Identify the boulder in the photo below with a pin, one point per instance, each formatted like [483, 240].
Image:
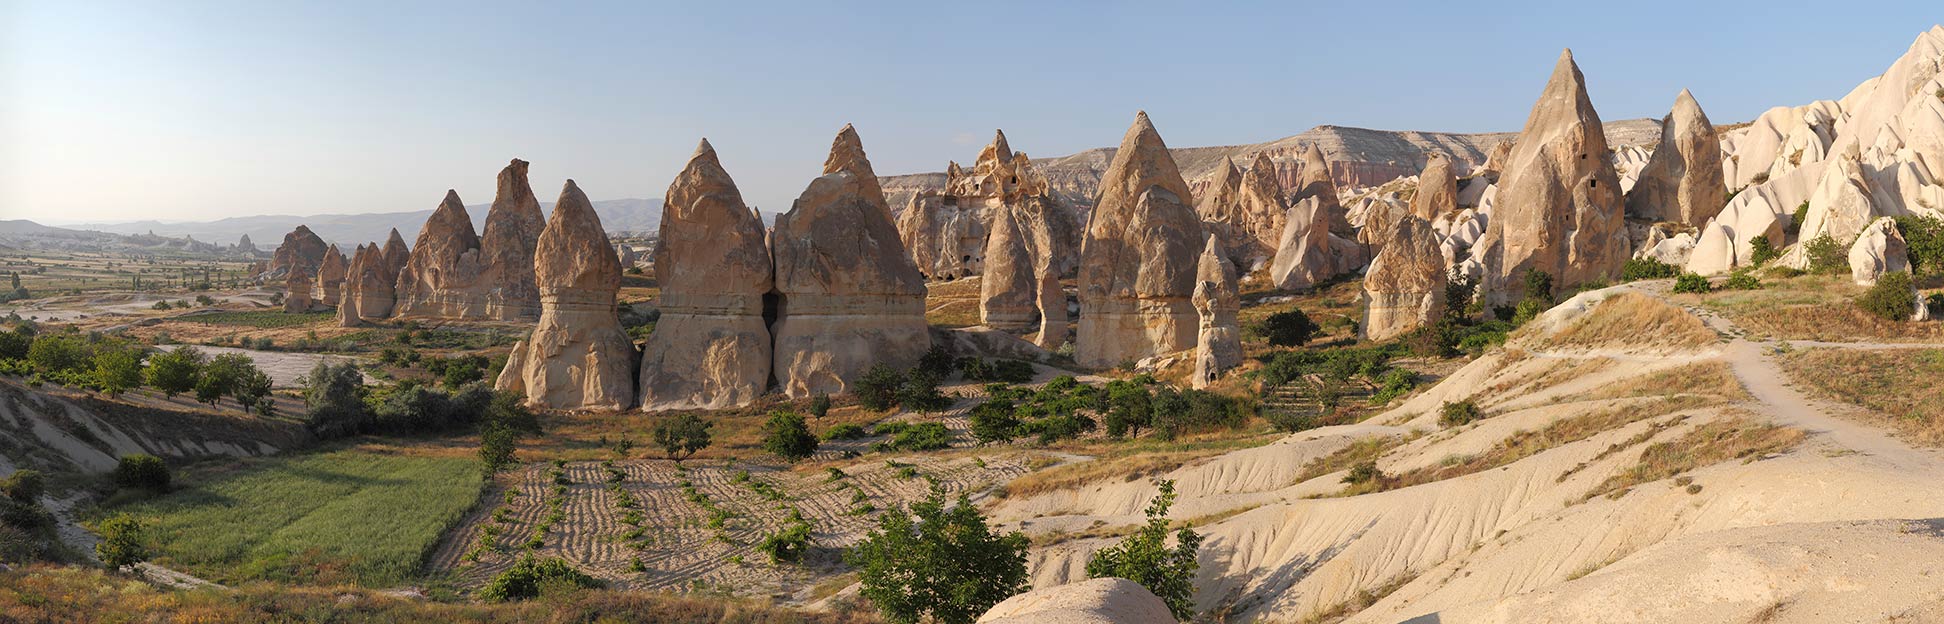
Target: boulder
[849, 297]
[711, 347]
[440, 274]
[1437, 189]
[506, 248]
[1138, 260]
[1879, 249]
[367, 292]
[300, 247]
[1558, 207]
[1682, 182]
[1093, 601]
[330, 276]
[577, 356]
[1218, 344]
[1405, 288]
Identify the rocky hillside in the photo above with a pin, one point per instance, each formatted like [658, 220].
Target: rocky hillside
[1358, 157]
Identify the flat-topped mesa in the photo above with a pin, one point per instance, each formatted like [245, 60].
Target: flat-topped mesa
[439, 277]
[1405, 288]
[1314, 181]
[1682, 182]
[849, 297]
[1437, 189]
[1558, 208]
[1218, 343]
[297, 290]
[945, 230]
[1247, 211]
[711, 348]
[577, 357]
[367, 292]
[506, 249]
[1138, 259]
[300, 247]
[330, 276]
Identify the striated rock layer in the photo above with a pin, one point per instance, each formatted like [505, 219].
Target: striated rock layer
[577, 357]
[1138, 260]
[1558, 207]
[1218, 343]
[711, 348]
[849, 297]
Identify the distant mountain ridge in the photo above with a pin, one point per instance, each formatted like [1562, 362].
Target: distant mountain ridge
[350, 230]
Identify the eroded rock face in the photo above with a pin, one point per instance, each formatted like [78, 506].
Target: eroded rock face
[330, 276]
[1840, 206]
[300, 248]
[1247, 211]
[506, 249]
[849, 297]
[1404, 289]
[577, 356]
[1437, 190]
[1093, 601]
[1303, 257]
[1218, 343]
[441, 272]
[946, 230]
[1315, 181]
[1021, 283]
[297, 290]
[1138, 260]
[396, 254]
[1879, 249]
[1682, 182]
[367, 292]
[711, 348]
[1558, 207]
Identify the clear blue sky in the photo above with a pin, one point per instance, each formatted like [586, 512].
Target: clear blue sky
[197, 110]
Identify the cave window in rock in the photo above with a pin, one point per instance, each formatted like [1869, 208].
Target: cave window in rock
[1592, 184]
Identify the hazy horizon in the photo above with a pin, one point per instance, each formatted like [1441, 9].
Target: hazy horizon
[127, 112]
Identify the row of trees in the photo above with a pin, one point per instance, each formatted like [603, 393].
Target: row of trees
[338, 403]
[113, 365]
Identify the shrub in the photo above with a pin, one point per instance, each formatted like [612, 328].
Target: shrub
[919, 392]
[1826, 256]
[1363, 472]
[1529, 308]
[122, 541]
[938, 563]
[1891, 299]
[992, 422]
[878, 388]
[820, 405]
[1539, 285]
[25, 486]
[929, 436]
[1130, 408]
[117, 369]
[530, 576]
[1923, 242]
[682, 435]
[1691, 283]
[59, 352]
[1145, 557]
[496, 446]
[1761, 251]
[1742, 280]
[1003, 371]
[1453, 414]
[1288, 328]
[846, 431]
[1795, 218]
[1647, 268]
[332, 405]
[141, 471]
[789, 544]
[785, 435]
[1459, 293]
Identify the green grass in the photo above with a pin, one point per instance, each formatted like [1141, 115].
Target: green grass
[347, 516]
[261, 319]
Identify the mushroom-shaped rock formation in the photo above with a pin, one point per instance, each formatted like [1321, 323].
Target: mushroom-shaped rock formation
[1218, 344]
[506, 249]
[1405, 287]
[1558, 208]
[439, 276]
[577, 357]
[849, 297]
[1138, 260]
[711, 348]
[1682, 182]
[1437, 189]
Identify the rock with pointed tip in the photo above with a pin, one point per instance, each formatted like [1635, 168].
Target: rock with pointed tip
[300, 247]
[1558, 207]
[1247, 213]
[711, 347]
[1303, 257]
[440, 275]
[1021, 281]
[367, 293]
[1218, 344]
[297, 290]
[577, 357]
[945, 230]
[396, 254]
[1682, 182]
[1315, 180]
[1437, 189]
[1840, 206]
[1138, 260]
[849, 297]
[506, 248]
[330, 276]
[1405, 288]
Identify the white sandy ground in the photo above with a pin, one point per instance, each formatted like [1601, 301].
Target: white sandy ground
[1806, 536]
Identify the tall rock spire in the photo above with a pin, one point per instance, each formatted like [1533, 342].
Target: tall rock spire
[1218, 343]
[513, 227]
[1138, 258]
[577, 357]
[1682, 181]
[439, 275]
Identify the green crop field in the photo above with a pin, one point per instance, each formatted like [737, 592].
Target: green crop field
[347, 516]
[261, 319]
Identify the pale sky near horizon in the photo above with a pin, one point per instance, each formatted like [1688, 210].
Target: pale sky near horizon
[121, 111]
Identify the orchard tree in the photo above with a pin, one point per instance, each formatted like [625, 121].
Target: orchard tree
[936, 562]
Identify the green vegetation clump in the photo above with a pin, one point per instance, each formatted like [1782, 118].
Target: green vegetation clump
[1923, 242]
[1891, 299]
[1691, 283]
[1146, 558]
[938, 563]
[846, 431]
[141, 472]
[1647, 268]
[788, 544]
[1761, 251]
[122, 539]
[1453, 414]
[928, 436]
[530, 576]
[680, 436]
[1826, 256]
[1002, 371]
[787, 436]
[1289, 328]
[1742, 280]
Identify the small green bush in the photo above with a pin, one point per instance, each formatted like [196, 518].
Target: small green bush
[1761, 251]
[123, 541]
[24, 486]
[527, 578]
[1647, 268]
[1891, 299]
[1363, 472]
[1289, 328]
[846, 431]
[1742, 280]
[1454, 414]
[142, 471]
[1826, 256]
[1691, 283]
[788, 437]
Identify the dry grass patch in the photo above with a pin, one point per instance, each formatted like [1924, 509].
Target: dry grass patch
[1128, 461]
[1710, 378]
[1741, 437]
[1813, 307]
[1634, 320]
[1900, 387]
[1361, 451]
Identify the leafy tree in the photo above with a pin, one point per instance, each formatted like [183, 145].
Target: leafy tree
[1891, 299]
[58, 352]
[936, 562]
[993, 422]
[14, 344]
[1761, 251]
[117, 369]
[878, 388]
[1539, 285]
[332, 403]
[1826, 255]
[121, 544]
[1145, 558]
[1288, 328]
[502, 420]
[820, 405]
[919, 392]
[496, 446]
[141, 471]
[175, 372]
[1170, 413]
[1924, 242]
[787, 436]
[1130, 408]
[221, 376]
[24, 486]
[682, 435]
[252, 391]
